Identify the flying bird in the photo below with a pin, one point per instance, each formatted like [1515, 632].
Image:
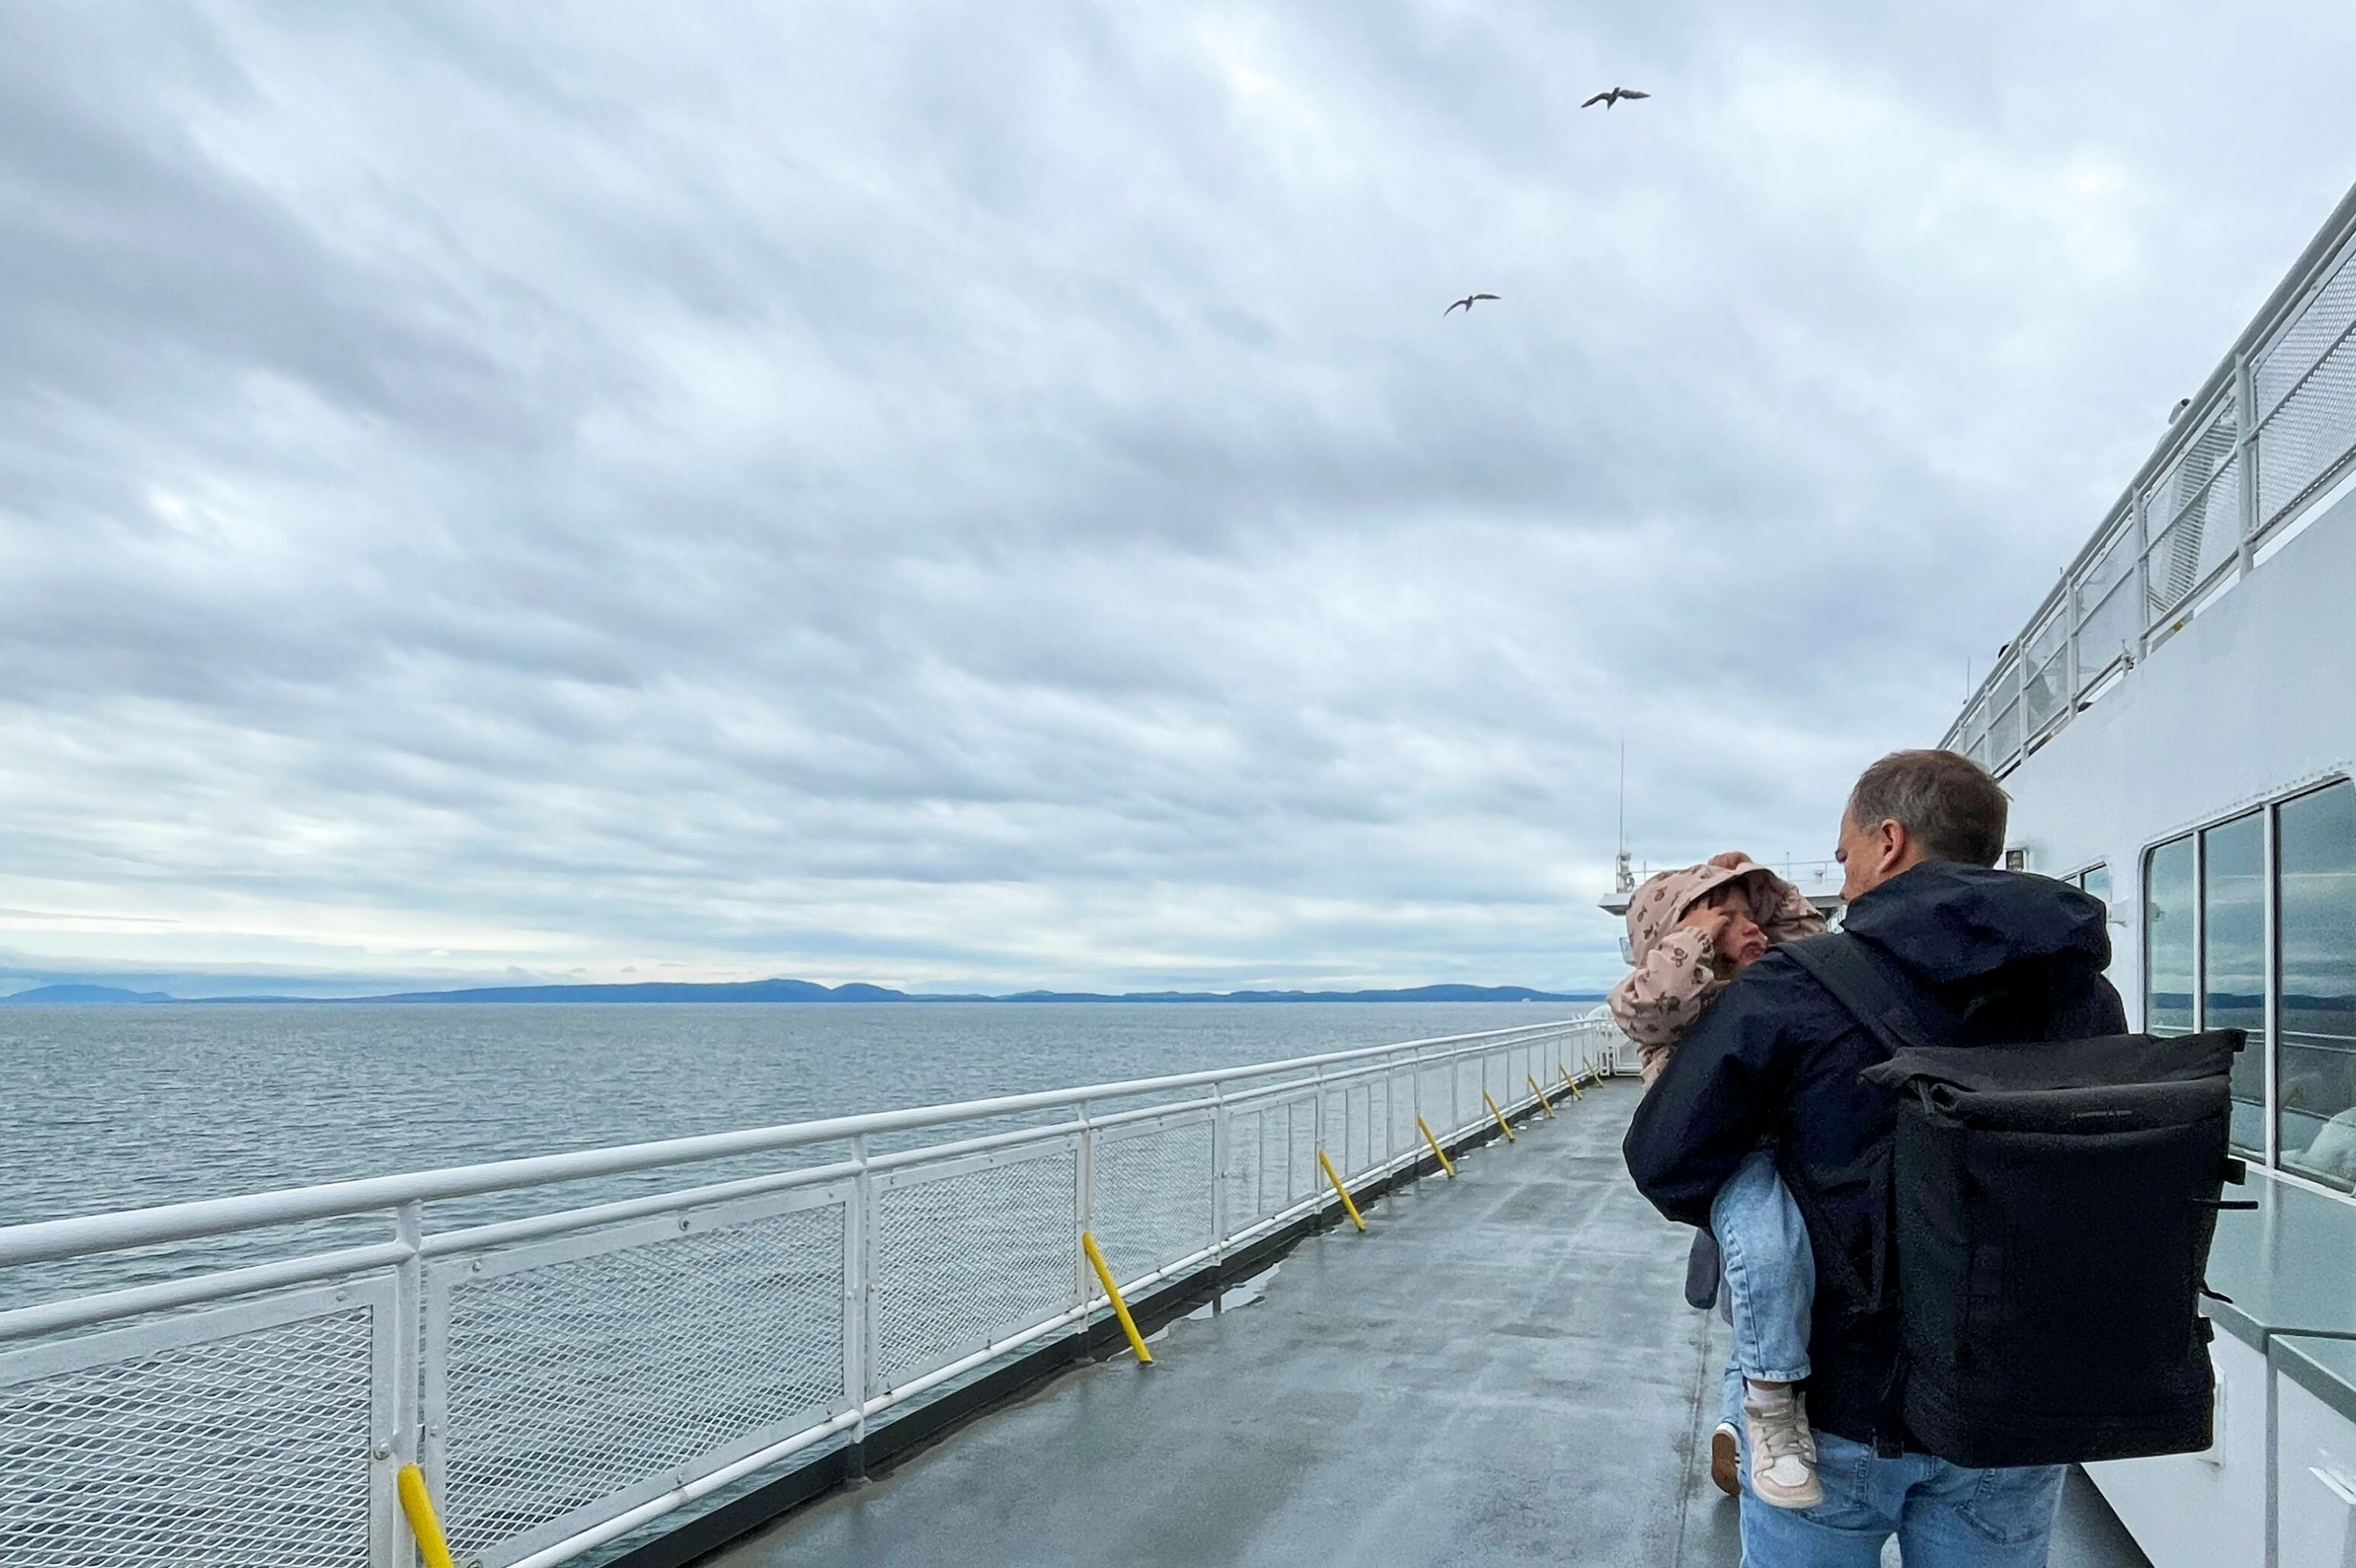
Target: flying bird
[1612, 97]
[1467, 302]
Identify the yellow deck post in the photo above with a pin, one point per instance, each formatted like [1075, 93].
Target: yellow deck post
[1503, 1126]
[1112, 1294]
[1340, 1191]
[1543, 1101]
[419, 1506]
[1566, 1078]
[1437, 1152]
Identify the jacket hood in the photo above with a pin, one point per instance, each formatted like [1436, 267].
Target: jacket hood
[1948, 922]
[1654, 909]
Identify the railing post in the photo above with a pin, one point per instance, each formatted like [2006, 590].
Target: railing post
[1317, 1123]
[393, 1543]
[2246, 431]
[859, 1308]
[1455, 1093]
[1083, 1213]
[1218, 1184]
[2142, 511]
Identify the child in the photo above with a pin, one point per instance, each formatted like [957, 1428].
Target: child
[1690, 932]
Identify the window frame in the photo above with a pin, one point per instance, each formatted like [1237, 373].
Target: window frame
[2077, 878]
[2267, 804]
[2268, 874]
[2274, 1167]
[2143, 921]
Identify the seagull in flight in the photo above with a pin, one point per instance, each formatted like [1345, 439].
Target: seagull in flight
[1467, 303]
[1612, 97]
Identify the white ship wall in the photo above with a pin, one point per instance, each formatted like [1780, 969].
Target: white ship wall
[2254, 698]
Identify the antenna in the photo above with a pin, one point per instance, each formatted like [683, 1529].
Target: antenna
[1622, 879]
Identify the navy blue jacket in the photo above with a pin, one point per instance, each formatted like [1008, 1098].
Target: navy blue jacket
[2013, 957]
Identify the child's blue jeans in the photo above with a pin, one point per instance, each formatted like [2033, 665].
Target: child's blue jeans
[1771, 1272]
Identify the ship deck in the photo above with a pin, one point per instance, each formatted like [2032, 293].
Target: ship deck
[1502, 1364]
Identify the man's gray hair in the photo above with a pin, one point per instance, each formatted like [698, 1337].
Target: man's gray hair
[1949, 804]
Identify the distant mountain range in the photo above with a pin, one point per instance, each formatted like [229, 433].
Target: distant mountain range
[657, 991]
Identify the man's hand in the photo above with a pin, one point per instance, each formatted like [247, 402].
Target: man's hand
[1731, 860]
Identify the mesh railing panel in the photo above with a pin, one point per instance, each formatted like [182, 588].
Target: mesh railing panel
[1469, 1110]
[2307, 382]
[1300, 1178]
[1437, 1083]
[587, 1378]
[2309, 339]
[248, 1450]
[1399, 1097]
[569, 1379]
[1340, 1114]
[2272, 446]
[1248, 1196]
[2193, 514]
[1153, 1201]
[966, 1260]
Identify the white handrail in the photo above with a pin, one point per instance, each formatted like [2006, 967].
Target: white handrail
[2229, 388]
[849, 1288]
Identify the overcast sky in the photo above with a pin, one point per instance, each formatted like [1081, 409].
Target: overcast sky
[954, 496]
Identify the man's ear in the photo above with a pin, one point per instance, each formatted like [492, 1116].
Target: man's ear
[1897, 844]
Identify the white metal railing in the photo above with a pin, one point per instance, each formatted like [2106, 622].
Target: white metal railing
[565, 1377]
[2270, 433]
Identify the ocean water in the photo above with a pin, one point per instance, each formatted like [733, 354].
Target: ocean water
[114, 1107]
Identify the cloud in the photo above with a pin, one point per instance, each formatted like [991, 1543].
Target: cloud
[881, 497]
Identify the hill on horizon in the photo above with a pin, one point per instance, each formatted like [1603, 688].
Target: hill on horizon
[83, 996]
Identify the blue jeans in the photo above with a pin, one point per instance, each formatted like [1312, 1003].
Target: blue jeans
[1944, 1515]
[1771, 1274]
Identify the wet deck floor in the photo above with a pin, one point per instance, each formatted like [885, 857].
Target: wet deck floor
[1500, 1369]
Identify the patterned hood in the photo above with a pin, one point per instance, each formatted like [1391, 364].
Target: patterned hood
[1654, 909]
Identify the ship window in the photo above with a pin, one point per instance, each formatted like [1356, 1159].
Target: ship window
[2316, 970]
[2168, 913]
[2233, 960]
[2095, 880]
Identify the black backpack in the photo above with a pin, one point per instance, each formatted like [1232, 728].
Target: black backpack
[2048, 1212]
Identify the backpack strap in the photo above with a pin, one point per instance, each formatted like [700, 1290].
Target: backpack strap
[1858, 984]
[1839, 965]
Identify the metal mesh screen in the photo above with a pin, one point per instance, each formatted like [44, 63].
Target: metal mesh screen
[970, 1258]
[589, 1379]
[1373, 1145]
[2106, 608]
[1245, 1201]
[2192, 514]
[1301, 1176]
[1436, 1087]
[242, 1451]
[1467, 1107]
[2307, 384]
[1153, 1199]
[1337, 1128]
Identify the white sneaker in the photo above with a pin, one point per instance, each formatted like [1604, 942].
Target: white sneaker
[1726, 1459]
[1783, 1449]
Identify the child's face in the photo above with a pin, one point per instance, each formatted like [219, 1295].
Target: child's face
[1739, 941]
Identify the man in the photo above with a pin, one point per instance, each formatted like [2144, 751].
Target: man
[2005, 957]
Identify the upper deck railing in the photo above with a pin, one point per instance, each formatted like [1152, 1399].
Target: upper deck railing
[565, 1377]
[2268, 435]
